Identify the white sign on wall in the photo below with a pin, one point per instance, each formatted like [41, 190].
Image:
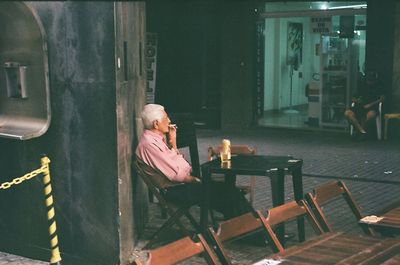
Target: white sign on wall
[321, 25]
[151, 64]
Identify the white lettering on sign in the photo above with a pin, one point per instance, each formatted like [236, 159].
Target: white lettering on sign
[151, 66]
[321, 25]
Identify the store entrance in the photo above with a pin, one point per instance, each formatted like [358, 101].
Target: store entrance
[312, 61]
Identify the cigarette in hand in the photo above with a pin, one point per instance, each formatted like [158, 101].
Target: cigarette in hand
[173, 126]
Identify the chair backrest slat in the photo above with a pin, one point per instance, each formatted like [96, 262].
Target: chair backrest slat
[181, 250]
[331, 190]
[238, 226]
[327, 192]
[152, 176]
[144, 176]
[233, 228]
[287, 212]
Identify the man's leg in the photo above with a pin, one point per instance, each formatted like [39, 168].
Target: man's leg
[352, 118]
[371, 115]
[185, 194]
[369, 123]
[228, 200]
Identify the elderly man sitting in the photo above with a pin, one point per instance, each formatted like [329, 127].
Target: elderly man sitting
[154, 150]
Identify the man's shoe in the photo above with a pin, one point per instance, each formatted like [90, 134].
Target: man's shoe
[363, 137]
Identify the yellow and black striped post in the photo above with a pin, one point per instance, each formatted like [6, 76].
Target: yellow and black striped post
[55, 252]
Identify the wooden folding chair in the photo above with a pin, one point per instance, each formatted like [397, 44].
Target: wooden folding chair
[213, 152]
[180, 250]
[328, 192]
[284, 213]
[157, 182]
[235, 228]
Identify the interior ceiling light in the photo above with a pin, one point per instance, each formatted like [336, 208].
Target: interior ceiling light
[349, 6]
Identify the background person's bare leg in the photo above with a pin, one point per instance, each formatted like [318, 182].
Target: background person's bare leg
[351, 117]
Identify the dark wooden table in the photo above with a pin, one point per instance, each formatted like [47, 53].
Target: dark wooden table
[339, 248]
[273, 167]
[388, 224]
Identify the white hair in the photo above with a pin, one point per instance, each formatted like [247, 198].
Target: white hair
[151, 113]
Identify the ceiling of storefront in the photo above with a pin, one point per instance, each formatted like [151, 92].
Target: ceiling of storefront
[302, 6]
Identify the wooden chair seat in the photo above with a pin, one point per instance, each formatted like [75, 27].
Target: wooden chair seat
[387, 223]
[340, 248]
[387, 117]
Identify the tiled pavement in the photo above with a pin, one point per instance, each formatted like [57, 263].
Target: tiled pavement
[8, 259]
[371, 169]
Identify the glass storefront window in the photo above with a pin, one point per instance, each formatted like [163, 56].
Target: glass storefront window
[313, 55]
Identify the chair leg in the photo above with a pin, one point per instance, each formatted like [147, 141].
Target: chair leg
[192, 221]
[151, 199]
[151, 196]
[379, 127]
[212, 217]
[386, 127]
[252, 189]
[163, 213]
[173, 219]
[176, 217]
[168, 223]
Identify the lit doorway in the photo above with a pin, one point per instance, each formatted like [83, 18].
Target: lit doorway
[311, 62]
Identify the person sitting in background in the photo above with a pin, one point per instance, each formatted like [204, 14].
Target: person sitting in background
[161, 152]
[365, 105]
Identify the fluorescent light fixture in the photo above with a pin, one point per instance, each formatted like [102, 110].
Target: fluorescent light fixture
[349, 6]
[324, 6]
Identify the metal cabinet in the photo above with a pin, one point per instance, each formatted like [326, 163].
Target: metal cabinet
[335, 80]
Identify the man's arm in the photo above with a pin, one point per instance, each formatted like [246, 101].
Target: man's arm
[189, 179]
[172, 137]
[169, 162]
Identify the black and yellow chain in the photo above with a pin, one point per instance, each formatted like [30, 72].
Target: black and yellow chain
[19, 180]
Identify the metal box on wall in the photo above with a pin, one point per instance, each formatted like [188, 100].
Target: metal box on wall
[24, 85]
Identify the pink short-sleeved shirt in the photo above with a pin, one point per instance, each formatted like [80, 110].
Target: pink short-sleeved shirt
[153, 150]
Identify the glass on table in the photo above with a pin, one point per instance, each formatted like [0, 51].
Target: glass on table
[225, 151]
